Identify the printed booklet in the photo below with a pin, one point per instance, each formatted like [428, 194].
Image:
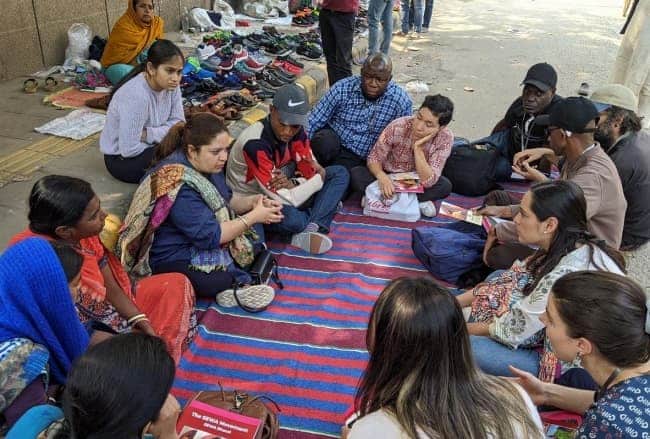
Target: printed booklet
[407, 182]
[203, 421]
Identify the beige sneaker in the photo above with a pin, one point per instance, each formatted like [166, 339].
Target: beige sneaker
[312, 242]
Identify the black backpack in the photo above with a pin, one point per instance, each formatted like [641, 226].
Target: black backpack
[472, 168]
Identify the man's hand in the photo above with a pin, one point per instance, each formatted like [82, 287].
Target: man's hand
[498, 211]
[280, 181]
[531, 155]
[527, 171]
[489, 243]
[386, 186]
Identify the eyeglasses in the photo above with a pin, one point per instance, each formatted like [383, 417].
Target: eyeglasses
[549, 130]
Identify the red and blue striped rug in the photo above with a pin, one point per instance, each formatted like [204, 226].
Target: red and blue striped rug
[307, 350]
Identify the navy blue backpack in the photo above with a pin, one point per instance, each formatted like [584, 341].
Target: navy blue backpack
[450, 250]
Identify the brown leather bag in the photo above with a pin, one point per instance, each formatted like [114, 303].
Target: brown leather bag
[244, 404]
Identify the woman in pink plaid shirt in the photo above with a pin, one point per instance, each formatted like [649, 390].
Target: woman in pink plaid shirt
[420, 143]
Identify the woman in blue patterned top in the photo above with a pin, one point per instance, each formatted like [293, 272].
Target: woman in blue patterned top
[603, 320]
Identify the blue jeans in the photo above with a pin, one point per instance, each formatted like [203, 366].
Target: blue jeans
[418, 12]
[494, 358]
[428, 12]
[380, 11]
[322, 209]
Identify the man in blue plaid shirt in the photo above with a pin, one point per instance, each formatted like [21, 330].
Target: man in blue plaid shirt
[349, 118]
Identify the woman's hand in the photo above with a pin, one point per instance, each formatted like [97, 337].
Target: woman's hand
[165, 425]
[145, 326]
[266, 211]
[531, 384]
[386, 186]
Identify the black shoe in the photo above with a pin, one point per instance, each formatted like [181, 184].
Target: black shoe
[310, 51]
[281, 74]
[269, 78]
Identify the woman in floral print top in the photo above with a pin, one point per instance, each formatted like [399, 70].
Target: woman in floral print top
[603, 319]
[553, 218]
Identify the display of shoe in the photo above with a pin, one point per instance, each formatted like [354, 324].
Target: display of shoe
[243, 73]
[291, 60]
[205, 51]
[252, 64]
[264, 94]
[281, 74]
[259, 57]
[255, 297]
[273, 80]
[310, 51]
[287, 67]
[239, 52]
[212, 63]
[312, 242]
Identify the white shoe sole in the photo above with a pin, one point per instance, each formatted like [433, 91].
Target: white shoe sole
[253, 296]
[312, 242]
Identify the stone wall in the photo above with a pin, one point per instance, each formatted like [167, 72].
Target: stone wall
[33, 33]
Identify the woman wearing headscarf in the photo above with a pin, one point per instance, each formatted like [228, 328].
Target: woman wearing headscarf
[132, 35]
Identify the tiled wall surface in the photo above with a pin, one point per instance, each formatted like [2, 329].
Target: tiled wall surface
[33, 33]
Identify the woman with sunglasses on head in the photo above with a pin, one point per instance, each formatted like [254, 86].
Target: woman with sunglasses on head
[603, 320]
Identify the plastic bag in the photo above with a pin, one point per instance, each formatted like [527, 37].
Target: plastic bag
[227, 14]
[402, 207]
[79, 38]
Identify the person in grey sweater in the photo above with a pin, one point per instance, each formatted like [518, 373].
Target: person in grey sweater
[142, 109]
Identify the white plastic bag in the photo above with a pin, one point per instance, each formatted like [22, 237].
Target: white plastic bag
[79, 38]
[228, 20]
[402, 207]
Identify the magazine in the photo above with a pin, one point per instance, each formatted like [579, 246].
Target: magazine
[203, 421]
[460, 213]
[407, 182]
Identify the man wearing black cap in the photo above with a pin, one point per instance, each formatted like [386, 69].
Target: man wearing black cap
[570, 126]
[518, 130]
[274, 158]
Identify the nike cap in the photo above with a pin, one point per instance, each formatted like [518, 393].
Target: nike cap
[292, 104]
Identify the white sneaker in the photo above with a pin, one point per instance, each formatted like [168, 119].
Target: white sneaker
[252, 296]
[205, 51]
[427, 208]
[312, 242]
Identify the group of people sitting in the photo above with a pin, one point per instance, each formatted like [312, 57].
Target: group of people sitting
[100, 331]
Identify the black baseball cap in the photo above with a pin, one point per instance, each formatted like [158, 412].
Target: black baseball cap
[292, 104]
[542, 76]
[571, 114]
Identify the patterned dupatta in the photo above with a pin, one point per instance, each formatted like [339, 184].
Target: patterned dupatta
[151, 205]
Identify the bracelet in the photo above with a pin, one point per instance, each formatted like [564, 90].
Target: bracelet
[141, 319]
[132, 319]
[243, 220]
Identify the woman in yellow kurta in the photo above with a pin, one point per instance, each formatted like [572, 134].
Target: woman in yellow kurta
[133, 33]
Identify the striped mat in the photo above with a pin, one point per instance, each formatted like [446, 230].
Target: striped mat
[307, 350]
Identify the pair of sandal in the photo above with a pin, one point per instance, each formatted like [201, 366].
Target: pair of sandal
[31, 85]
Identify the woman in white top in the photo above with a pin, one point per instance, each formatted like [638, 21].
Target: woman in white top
[553, 217]
[421, 380]
[143, 107]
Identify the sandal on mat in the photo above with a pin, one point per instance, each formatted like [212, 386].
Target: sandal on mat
[252, 298]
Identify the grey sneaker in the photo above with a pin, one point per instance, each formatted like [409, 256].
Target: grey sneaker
[252, 296]
[312, 242]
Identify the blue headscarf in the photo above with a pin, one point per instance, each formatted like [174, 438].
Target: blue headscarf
[35, 303]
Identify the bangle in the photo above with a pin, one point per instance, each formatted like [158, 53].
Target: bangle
[243, 220]
[139, 320]
[132, 319]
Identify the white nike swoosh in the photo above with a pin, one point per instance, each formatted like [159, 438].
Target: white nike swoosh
[294, 104]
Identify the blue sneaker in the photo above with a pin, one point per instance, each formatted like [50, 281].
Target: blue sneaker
[204, 74]
[188, 68]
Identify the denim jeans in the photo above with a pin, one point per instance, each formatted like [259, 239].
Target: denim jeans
[494, 358]
[418, 12]
[380, 12]
[428, 12]
[322, 209]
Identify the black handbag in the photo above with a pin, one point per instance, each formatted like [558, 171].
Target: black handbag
[472, 169]
[265, 268]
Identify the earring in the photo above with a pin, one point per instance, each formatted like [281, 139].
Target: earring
[577, 361]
